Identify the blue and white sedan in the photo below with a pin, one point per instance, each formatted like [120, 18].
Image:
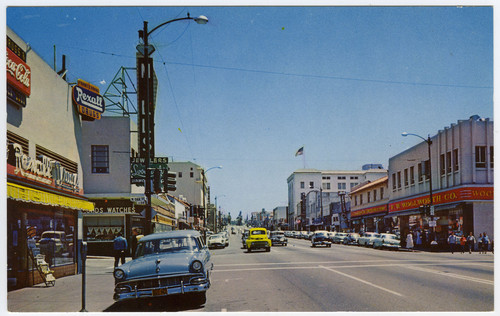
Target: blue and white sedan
[175, 262]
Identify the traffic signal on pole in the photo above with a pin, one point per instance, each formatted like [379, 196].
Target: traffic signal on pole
[156, 181]
[169, 181]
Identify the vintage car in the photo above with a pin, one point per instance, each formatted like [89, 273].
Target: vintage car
[257, 239]
[244, 238]
[216, 241]
[320, 238]
[331, 235]
[278, 238]
[53, 242]
[386, 241]
[339, 238]
[351, 239]
[169, 263]
[367, 238]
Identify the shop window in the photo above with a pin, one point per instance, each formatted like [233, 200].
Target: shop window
[442, 169]
[455, 159]
[448, 162]
[412, 175]
[100, 159]
[52, 234]
[480, 156]
[102, 228]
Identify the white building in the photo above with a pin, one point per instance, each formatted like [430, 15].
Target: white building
[462, 181]
[310, 183]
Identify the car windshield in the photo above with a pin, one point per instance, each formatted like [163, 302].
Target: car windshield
[166, 245]
[392, 237]
[258, 232]
[321, 234]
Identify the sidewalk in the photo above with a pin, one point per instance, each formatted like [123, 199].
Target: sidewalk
[66, 295]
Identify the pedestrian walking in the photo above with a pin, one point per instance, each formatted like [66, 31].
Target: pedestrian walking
[119, 248]
[418, 240]
[463, 241]
[409, 241]
[471, 240]
[452, 240]
[486, 242]
[480, 243]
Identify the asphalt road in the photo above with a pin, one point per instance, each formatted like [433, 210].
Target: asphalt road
[347, 278]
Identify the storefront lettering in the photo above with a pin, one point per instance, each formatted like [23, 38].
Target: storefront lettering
[45, 170]
[117, 209]
[84, 98]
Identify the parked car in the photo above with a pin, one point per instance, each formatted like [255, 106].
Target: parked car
[257, 239]
[303, 235]
[278, 238]
[367, 238]
[351, 239]
[53, 241]
[386, 241]
[216, 241]
[175, 262]
[331, 235]
[320, 238]
[309, 235]
[339, 238]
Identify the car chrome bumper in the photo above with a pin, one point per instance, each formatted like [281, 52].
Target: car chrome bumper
[144, 293]
[322, 243]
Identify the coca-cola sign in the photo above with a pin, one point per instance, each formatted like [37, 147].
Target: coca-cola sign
[18, 73]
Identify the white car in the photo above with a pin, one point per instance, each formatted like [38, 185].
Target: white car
[386, 241]
[367, 238]
[216, 241]
[339, 238]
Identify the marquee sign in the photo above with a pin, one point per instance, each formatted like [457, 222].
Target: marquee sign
[18, 74]
[88, 100]
[455, 195]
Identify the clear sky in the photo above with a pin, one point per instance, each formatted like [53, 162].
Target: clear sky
[256, 83]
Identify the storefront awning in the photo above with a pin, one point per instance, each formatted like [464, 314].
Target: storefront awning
[21, 193]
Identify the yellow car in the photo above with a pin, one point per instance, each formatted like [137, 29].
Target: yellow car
[257, 239]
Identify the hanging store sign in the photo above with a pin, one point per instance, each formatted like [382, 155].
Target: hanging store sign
[455, 195]
[88, 100]
[114, 207]
[138, 167]
[18, 74]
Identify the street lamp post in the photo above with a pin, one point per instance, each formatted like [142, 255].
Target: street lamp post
[146, 74]
[203, 172]
[429, 143]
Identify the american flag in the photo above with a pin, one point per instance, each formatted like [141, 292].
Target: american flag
[300, 151]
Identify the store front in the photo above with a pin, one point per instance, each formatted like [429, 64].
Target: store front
[369, 219]
[41, 223]
[454, 211]
[109, 218]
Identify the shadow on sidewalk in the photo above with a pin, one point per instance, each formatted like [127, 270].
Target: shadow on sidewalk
[161, 304]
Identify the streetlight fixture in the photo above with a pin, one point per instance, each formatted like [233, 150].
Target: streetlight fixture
[146, 73]
[429, 143]
[203, 172]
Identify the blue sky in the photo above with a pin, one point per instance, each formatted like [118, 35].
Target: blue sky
[255, 84]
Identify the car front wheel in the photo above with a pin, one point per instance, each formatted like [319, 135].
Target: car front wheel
[197, 299]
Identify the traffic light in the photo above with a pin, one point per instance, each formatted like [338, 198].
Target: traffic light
[169, 181]
[156, 181]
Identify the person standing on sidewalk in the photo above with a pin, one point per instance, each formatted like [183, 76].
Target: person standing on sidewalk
[119, 248]
[452, 240]
[486, 242]
[471, 240]
[463, 241]
[409, 241]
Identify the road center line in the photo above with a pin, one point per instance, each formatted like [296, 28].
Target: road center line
[362, 281]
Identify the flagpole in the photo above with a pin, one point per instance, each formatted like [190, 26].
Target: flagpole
[304, 158]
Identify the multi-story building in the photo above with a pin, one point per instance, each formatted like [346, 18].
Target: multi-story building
[44, 169]
[280, 217]
[369, 203]
[320, 188]
[461, 172]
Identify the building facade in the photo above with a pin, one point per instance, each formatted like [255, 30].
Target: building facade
[369, 204]
[311, 191]
[45, 195]
[461, 167]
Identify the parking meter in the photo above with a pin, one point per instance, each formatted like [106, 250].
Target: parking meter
[83, 253]
[83, 250]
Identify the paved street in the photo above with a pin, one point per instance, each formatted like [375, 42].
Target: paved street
[298, 278]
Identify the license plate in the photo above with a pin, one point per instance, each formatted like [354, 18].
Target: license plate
[158, 292]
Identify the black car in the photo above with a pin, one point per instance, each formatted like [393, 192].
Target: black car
[278, 238]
